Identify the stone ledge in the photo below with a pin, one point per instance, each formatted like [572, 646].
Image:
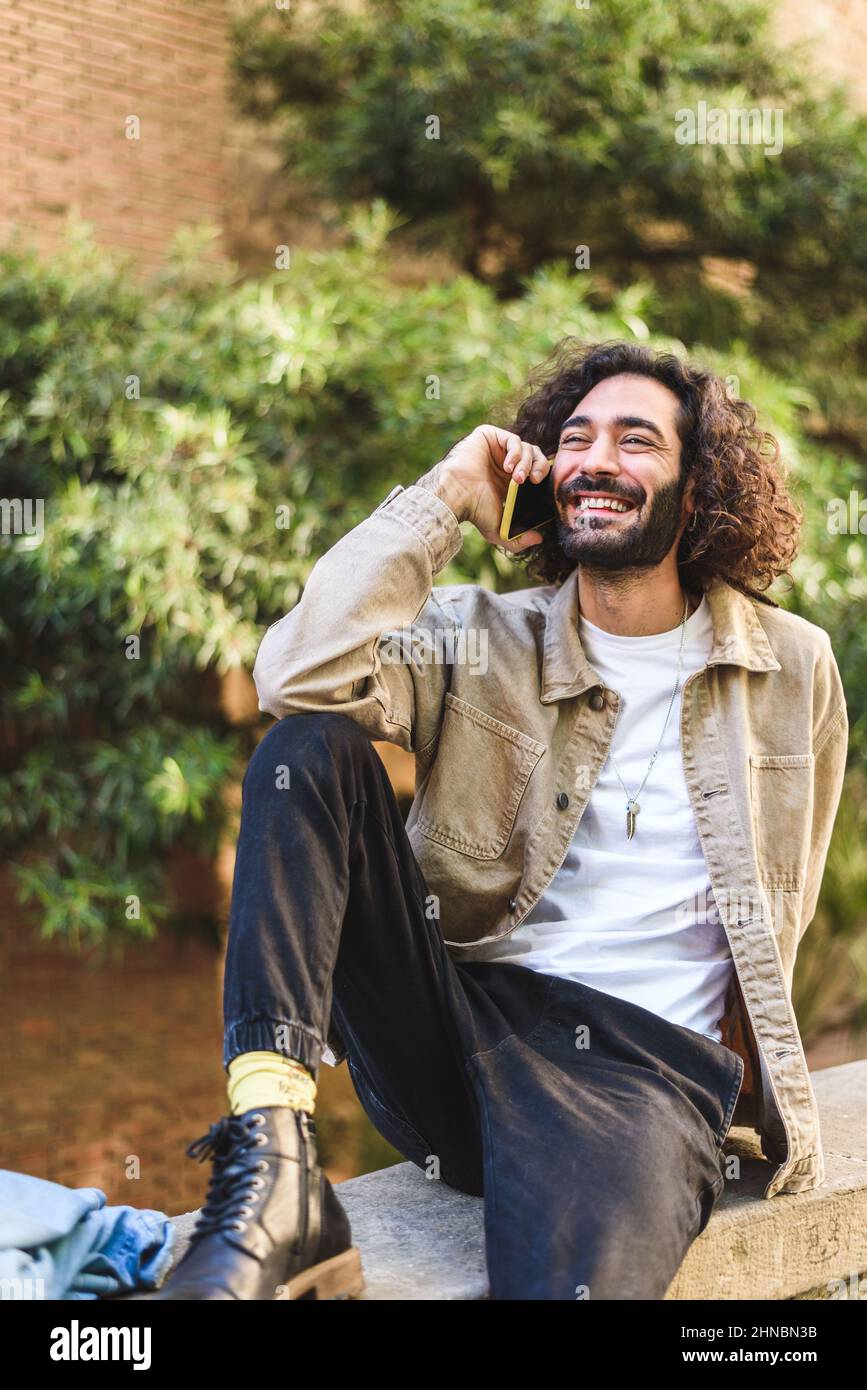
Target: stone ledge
[423, 1241]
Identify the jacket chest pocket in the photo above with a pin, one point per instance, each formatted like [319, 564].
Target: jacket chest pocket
[781, 794]
[478, 778]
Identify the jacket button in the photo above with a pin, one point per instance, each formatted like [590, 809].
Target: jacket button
[562, 801]
[513, 903]
[597, 700]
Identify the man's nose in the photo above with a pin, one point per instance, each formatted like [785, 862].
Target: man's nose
[601, 457]
[599, 460]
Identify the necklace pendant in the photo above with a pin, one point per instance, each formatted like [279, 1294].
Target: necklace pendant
[632, 809]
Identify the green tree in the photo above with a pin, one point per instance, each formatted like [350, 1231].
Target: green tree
[513, 134]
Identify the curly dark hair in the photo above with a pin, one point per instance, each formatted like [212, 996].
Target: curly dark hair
[745, 526]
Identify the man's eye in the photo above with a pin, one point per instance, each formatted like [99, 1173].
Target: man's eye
[636, 439]
[574, 439]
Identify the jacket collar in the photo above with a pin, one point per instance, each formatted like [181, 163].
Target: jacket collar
[738, 639]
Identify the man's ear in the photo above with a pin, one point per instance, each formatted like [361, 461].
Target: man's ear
[689, 498]
[687, 508]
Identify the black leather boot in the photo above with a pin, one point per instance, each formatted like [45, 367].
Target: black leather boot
[271, 1226]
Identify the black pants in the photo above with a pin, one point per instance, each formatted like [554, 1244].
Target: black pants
[592, 1127]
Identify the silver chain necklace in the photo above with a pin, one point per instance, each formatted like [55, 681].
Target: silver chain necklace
[632, 806]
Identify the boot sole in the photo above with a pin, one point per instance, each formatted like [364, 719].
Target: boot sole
[339, 1277]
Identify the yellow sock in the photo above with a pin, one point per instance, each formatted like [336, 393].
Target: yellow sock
[259, 1079]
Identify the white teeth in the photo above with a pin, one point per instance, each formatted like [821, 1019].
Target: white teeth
[602, 504]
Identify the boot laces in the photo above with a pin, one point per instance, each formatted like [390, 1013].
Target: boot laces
[231, 1144]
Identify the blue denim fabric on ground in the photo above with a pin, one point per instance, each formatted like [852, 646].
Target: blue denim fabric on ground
[64, 1243]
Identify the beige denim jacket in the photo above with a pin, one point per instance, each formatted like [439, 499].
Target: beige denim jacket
[510, 726]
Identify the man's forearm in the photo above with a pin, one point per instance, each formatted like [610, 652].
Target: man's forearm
[377, 578]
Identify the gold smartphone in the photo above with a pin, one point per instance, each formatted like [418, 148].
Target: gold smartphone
[528, 506]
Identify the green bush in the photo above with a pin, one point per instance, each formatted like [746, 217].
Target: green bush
[198, 442]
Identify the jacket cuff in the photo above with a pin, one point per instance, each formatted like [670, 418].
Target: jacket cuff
[432, 520]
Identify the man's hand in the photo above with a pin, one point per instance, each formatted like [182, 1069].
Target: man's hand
[473, 479]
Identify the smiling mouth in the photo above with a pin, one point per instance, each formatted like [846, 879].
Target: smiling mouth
[601, 506]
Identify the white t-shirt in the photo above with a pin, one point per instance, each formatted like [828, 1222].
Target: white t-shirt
[635, 918]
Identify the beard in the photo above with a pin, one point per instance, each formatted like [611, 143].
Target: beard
[640, 543]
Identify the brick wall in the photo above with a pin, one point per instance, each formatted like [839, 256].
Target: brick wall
[70, 77]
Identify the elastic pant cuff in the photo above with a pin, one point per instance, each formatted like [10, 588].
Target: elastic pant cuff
[273, 1035]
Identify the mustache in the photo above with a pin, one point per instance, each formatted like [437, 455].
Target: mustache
[569, 490]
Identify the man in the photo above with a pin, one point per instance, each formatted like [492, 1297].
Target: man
[555, 982]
